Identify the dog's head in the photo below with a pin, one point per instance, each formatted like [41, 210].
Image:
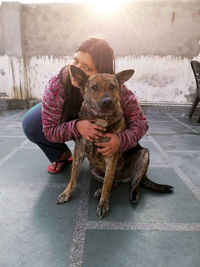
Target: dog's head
[101, 91]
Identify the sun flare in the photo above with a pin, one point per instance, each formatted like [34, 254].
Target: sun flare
[105, 6]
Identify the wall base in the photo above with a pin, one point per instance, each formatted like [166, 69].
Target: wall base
[9, 104]
[148, 108]
[181, 110]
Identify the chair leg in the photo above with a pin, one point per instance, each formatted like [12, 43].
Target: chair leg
[198, 120]
[194, 106]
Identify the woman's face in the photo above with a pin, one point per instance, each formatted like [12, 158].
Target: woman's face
[84, 62]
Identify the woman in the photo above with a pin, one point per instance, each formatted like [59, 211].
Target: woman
[54, 121]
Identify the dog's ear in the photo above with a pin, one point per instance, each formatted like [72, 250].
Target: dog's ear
[124, 76]
[79, 76]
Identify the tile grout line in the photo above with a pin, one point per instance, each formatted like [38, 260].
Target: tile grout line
[183, 151]
[14, 136]
[10, 117]
[34, 185]
[159, 166]
[194, 189]
[159, 121]
[182, 123]
[31, 147]
[171, 132]
[151, 226]
[13, 152]
[77, 248]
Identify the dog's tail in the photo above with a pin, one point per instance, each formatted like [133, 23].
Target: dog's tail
[146, 182]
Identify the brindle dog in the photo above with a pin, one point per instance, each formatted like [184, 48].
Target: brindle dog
[101, 103]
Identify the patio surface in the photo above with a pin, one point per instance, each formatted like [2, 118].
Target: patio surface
[161, 230]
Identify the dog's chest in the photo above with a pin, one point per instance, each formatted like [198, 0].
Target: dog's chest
[90, 151]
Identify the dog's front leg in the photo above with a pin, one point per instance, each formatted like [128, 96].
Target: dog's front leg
[78, 157]
[103, 207]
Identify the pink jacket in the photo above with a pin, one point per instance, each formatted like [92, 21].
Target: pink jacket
[58, 132]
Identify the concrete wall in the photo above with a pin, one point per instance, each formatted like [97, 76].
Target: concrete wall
[156, 38]
[139, 28]
[1, 32]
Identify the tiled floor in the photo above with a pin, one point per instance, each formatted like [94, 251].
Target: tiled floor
[161, 230]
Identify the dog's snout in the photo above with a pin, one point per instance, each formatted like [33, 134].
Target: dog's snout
[106, 101]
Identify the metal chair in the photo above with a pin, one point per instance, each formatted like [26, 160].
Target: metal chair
[196, 69]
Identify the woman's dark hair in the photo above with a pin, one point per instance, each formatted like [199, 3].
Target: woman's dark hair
[103, 57]
[101, 53]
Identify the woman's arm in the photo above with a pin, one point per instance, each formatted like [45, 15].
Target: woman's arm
[136, 123]
[52, 102]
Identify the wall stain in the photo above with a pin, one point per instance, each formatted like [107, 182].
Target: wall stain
[191, 97]
[3, 94]
[173, 17]
[197, 13]
[13, 76]
[2, 72]
[156, 80]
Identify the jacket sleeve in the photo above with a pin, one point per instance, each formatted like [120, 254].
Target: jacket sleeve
[52, 101]
[136, 123]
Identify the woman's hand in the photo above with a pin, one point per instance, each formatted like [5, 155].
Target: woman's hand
[109, 148]
[89, 130]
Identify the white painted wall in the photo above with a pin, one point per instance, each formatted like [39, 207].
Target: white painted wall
[160, 79]
[12, 78]
[157, 80]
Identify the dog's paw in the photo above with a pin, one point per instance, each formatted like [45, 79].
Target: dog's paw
[103, 209]
[168, 188]
[134, 196]
[62, 198]
[97, 194]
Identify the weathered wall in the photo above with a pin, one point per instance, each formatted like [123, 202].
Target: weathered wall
[157, 80]
[140, 28]
[1, 32]
[156, 38]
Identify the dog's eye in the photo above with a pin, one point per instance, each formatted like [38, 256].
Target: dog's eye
[112, 86]
[94, 87]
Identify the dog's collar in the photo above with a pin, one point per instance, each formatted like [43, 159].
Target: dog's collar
[88, 112]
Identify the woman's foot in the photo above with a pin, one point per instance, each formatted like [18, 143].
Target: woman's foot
[61, 163]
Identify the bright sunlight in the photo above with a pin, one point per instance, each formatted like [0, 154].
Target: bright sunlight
[106, 6]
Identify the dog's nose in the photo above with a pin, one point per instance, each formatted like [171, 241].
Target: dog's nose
[106, 101]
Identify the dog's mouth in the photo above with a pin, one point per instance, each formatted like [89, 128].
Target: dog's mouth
[107, 110]
[100, 109]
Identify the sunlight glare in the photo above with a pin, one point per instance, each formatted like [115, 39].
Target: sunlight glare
[105, 6]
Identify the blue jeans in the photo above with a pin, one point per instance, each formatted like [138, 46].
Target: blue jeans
[32, 126]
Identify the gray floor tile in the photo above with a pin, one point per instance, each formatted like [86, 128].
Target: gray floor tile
[29, 144]
[178, 207]
[9, 113]
[11, 129]
[158, 117]
[189, 122]
[11, 116]
[141, 249]
[190, 163]
[166, 127]
[190, 141]
[34, 230]
[155, 157]
[30, 166]
[7, 145]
